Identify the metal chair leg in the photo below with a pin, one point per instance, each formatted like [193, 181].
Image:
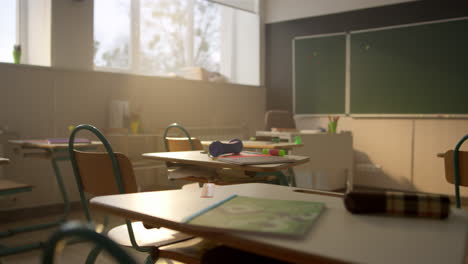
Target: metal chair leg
[93, 255]
[149, 260]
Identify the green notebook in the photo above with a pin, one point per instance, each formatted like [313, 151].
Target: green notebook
[259, 215]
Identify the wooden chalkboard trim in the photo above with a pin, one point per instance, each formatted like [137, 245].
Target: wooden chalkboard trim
[409, 25]
[319, 36]
[412, 116]
[320, 115]
[348, 74]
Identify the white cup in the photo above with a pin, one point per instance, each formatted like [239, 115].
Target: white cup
[207, 190]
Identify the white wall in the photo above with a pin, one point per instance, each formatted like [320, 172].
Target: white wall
[281, 10]
[39, 102]
[404, 149]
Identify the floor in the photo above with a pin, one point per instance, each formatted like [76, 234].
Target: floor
[71, 254]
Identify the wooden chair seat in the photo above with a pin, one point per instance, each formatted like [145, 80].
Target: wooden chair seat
[463, 165]
[456, 166]
[183, 144]
[146, 237]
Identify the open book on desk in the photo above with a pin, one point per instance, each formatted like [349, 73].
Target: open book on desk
[259, 215]
[252, 159]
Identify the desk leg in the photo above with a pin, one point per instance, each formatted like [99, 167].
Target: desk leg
[292, 177]
[349, 180]
[63, 191]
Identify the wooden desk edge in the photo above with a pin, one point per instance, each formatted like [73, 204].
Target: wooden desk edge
[220, 236]
[8, 185]
[32, 145]
[255, 168]
[318, 192]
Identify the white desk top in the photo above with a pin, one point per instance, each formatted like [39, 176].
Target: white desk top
[336, 234]
[42, 144]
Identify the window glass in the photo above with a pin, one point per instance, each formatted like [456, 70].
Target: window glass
[194, 39]
[207, 35]
[7, 30]
[164, 31]
[179, 33]
[112, 33]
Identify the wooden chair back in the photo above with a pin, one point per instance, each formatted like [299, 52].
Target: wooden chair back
[279, 119]
[97, 174]
[463, 167]
[183, 144]
[456, 163]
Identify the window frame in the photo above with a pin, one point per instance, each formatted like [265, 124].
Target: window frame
[22, 28]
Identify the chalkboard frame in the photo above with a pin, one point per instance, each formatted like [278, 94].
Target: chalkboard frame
[346, 77]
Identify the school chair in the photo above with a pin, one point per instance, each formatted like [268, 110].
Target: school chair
[198, 173]
[85, 233]
[107, 173]
[280, 119]
[185, 172]
[456, 168]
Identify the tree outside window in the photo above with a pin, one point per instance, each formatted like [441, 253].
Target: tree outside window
[172, 34]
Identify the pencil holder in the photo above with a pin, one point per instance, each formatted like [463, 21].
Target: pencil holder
[332, 127]
[135, 127]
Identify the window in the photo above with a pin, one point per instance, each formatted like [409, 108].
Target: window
[187, 38]
[112, 34]
[26, 23]
[8, 29]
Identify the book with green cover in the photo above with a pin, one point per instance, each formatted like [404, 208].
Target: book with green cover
[259, 215]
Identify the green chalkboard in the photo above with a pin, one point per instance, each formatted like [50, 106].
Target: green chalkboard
[420, 69]
[319, 74]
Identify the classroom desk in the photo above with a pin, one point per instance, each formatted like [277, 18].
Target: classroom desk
[337, 236]
[198, 158]
[4, 161]
[254, 144]
[258, 144]
[11, 187]
[326, 151]
[54, 153]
